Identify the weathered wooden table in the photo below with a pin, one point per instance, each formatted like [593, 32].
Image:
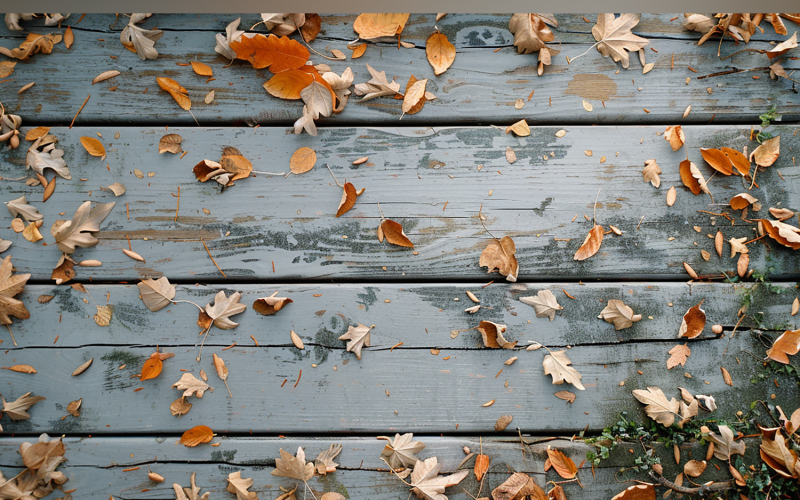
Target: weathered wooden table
[426, 370]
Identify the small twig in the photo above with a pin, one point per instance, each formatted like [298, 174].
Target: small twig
[732, 71]
[395, 473]
[79, 111]
[733, 332]
[755, 171]
[379, 210]
[212, 258]
[179, 204]
[130, 248]
[702, 490]
[267, 173]
[12, 339]
[760, 51]
[334, 177]
[318, 53]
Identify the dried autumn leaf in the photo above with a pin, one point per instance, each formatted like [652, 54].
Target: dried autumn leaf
[48, 157]
[591, 244]
[737, 245]
[274, 53]
[18, 409]
[103, 316]
[357, 337]
[197, 435]
[725, 445]
[394, 234]
[191, 493]
[742, 265]
[766, 154]
[738, 160]
[93, 146]
[21, 207]
[615, 38]
[674, 135]
[140, 41]
[151, 368]
[202, 69]
[32, 45]
[223, 41]
[414, 98]
[645, 491]
[693, 322]
[694, 468]
[441, 53]
[105, 75]
[11, 286]
[530, 32]
[544, 303]
[679, 354]
[340, 85]
[31, 232]
[270, 305]
[776, 453]
[693, 178]
[239, 485]
[783, 47]
[557, 364]
[358, 51]
[795, 306]
[511, 156]
[650, 173]
[501, 425]
[318, 99]
[401, 451]
[501, 255]
[78, 231]
[82, 368]
[519, 128]
[348, 200]
[619, 314]
[324, 462]
[303, 160]
[562, 464]
[224, 307]
[787, 344]
[518, 486]
[170, 143]
[492, 334]
[718, 160]
[481, 465]
[370, 26]
[781, 213]
[73, 408]
[20, 368]
[180, 407]
[288, 84]
[156, 294]
[567, 396]
[785, 234]
[657, 406]
[426, 482]
[191, 386]
[6, 68]
[377, 86]
[222, 371]
[293, 467]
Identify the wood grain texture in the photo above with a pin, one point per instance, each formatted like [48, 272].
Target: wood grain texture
[480, 88]
[425, 178]
[95, 465]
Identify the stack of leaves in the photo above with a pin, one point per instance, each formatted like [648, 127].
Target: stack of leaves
[9, 127]
[231, 167]
[43, 154]
[40, 477]
[32, 45]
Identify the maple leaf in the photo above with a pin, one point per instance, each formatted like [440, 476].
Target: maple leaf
[223, 308]
[518, 487]
[614, 36]
[274, 53]
[11, 286]
[650, 173]
[324, 462]
[530, 32]
[426, 482]
[18, 409]
[21, 207]
[48, 157]
[191, 493]
[725, 446]
[156, 294]
[191, 386]
[679, 355]
[140, 41]
[787, 344]
[232, 32]
[500, 255]
[377, 86]
[401, 452]
[657, 406]
[557, 364]
[78, 231]
[619, 314]
[293, 467]
[358, 337]
[544, 303]
[239, 485]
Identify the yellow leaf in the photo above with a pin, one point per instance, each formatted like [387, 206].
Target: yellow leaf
[441, 53]
[93, 146]
[202, 69]
[303, 160]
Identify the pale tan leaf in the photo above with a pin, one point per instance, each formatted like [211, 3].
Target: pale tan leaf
[619, 314]
[567, 396]
[370, 26]
[225, 307]
[679, 354]
[324, 462]
[357, 337]
[156, 294]
[11, 286]
[501, 255]
[296, 340]
[766, 154]
[441, 53]
[73, 408]
[675, 136]
[191, 386]
[78, 232]
[657, 406]
[17, 409]
[650, 173]
[530, 32]
[795, 306]
[511, 156]
[492, 334]
[103, 316]
[401, 451]
[270, 305]
[180, 406]
[170, 143]
[557, 364]
[615, 38]
[694, 468]
[544, 303]
[303, 160]
[519, 128]
[105, 75]
[414, 95]
[294, 467]
[428, 484]
[20, 368]
[788, 343]
[82, 368]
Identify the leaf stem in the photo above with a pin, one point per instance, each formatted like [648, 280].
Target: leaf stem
[395, 473]
[334, 177]
[204, 341]
[383, 217]
[12, 336]
[594, 214]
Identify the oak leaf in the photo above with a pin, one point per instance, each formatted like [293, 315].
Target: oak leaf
[787, 344]
[156, 294]
[78, 232]
[619, 314]
[21, 207]
[293, 467]
[657, 406]
[272, 52]
[725, 445]
[191, 386]
[650, 173]
[270, 305]
[190, 493]
[615, 38]
[140, 41]
[557, 364]
[562, 464]
[232, 32]
[47, 157]
[428, 484]
[766, 153]
[679, 355]
[785, 234]
[239, 485]
[738, 246]
[401, 451]
[223, 308]
[492, 334]
[324, 462]
[441, 53]
[591, 244]
[693, 322]
[675, 136]
[518, 487]
[18, 409]
[500, 255]
[544, 303]
[288, 84]
[370, 26]
[394, 234]
[693, 178]
[357, 337]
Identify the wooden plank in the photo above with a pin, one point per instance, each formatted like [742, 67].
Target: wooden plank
[427, 179]
[429, 312]
[95, 465]
[481, 87]
[386, 391]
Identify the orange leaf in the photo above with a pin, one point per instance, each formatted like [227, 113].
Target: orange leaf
[675, 137]
[202, 69]
[591, 244]
[739, 161]
[481, 466]
[69, 37]
[20, 368]
[393, 232]
[693, 322]
[233, 161]
[276, 54]
[359, 51]
[348, 199]
[176, 91]
[441, 53]
[379, 25]
[783, 233]
[152, 368]
[35, 133]
[304, 160]
[637, 492]
[197, 435]
[718, 160]
[310, 29]
[93, 146]
[692, 177]
[787, 344]
[561, 463]
[288, 84]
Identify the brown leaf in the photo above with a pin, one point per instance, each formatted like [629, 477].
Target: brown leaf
[679, 354]
[6, 68]
[324, 462]
[11, 286]
[63, 272]
[501, 255]
[82, 368]
[358, 51]
[518, 487]
[690, 271]
[105, 75]
[645, 491]
[151, 368]
[74, 408]
[657, 406]
[781, 213]
[787, 344]
[270, 305]
[69, 38]
[766, 154]
[288, 84]
[619, 314]
[743, 264]
[520, 128]
[742, 200]
[276, 54]
[694, 468]
[441, 53]
[156, 294]
[233, 161]
[502, 423]
[693, 178]
[310, 29]
[93, 146]
[718, 240]
[530, 32]
[556, 364]
[394, 234]
[177, 92]
[414, 98]
[567, 396]
[614, 36]
[563, 465]
[303, 160]
[348, 200]
[17, 410]
[401, 451]
[293, 467]
[133, 255]
[591, 244]
[785, 234]
[357, 337]
[650, 173]
[675, 136]
[32, 45]
[202, 69]
[170, 143]
[481, 466]
[693, 322]
[718, 160]
[20, 368]
[492, 334]
[379, 25]
[180, 406]
[219, 365]
[197, 435]
[36, 133]
[795, 306]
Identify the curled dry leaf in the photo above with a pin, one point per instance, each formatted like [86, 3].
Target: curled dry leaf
[619, 314]
[239, 486]
[235, 163]
[190, 386]
[324, 462]
[32, 45]
[348, 200]
[177, 92]
[693, 178]
[766, 154]
[544, 303]
[426, 482]
[223, 41]
[693, 322]
[197, 435]
[93, 146]
[557, 364]
[787, 344]
[519, 128]
[394, 234]
[106, 75]
[82, 368]
[694, 468]
[156, 294]
[73, 408]
[785, 234]
[650, 173]
[303, 160]
[48, 157]
[675, 136]
[170, 143]
[562, 464]
[401, 451]
[591, 244]
[370, 26]
[679, 354]
[518, 487]
[358, 51]
[501, 255]
[31, 232]
[116, 188]
[357, 337]
[781, 213]
[567, 396]
[492, 334]
[441, 53]
[270, 305]
[614, 36]
[139, 40]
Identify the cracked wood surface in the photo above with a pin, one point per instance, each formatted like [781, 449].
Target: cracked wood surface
[480, 88]
[274, 228]
[97, 467]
